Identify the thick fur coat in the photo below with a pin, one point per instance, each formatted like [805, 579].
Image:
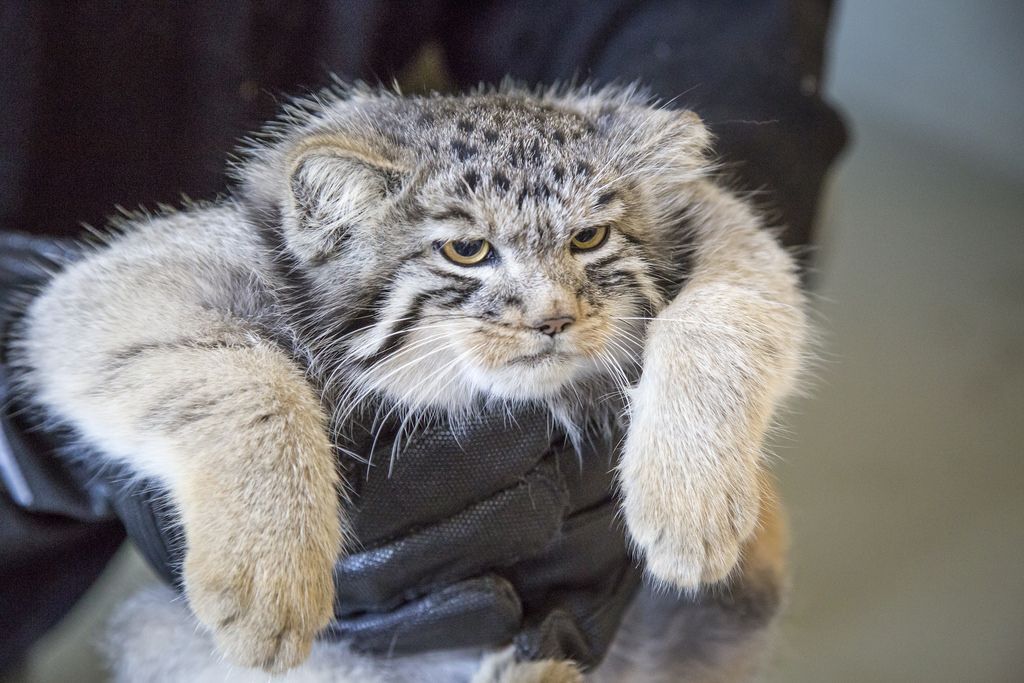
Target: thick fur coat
[425, 256]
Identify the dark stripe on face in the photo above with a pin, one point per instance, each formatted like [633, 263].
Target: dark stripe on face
[460, 297]
[370, 307]
[607, 275]
[462, 279]
[367, 311]
[595, 269]
[452, 213]
[616, 278]
[631, 239]
[397, 334]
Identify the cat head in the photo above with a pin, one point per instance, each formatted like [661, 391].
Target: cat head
[504, 244]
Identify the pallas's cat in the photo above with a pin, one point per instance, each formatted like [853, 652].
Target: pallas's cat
[427, 255]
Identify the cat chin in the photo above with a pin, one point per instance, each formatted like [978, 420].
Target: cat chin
[528, 381]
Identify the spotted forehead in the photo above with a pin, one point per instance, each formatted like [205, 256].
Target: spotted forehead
[496, 140]
[500, 121]
[533, 167]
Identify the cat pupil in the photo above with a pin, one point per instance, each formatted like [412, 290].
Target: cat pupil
[586, 235]
[467, 249]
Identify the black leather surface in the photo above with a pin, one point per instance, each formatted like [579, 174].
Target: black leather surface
[521, 510]
[499, 532]
[56, 535]
[30, 470]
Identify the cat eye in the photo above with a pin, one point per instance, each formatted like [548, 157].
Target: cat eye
[466, 252]
[589, 238]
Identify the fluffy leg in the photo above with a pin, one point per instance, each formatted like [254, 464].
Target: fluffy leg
[255, 482]
[721, 635]
[139, 347]
[717, 361]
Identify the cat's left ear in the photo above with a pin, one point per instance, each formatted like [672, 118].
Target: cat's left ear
[668, 142]
[336, 187]
[677, 141]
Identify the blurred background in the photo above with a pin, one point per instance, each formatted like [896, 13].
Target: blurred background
[904, 471]
[904, 474]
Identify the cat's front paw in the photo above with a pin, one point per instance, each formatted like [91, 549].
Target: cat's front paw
[546, 671]
[689, 525]
[263, 612]
[503, 667]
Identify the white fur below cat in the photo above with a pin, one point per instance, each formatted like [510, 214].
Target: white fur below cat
[154, 637]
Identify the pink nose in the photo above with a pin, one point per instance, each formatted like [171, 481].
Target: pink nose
[553, 326]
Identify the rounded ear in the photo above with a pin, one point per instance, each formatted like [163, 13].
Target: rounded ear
[683, 131]
[672, 142]
[676, 143]
[335, 186]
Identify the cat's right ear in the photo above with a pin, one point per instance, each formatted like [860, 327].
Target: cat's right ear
[335, 187]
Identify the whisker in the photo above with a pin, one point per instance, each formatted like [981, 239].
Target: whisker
[375, 383]
[376, 366]
[401, 402]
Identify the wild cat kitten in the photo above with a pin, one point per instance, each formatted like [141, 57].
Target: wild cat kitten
[431, 254]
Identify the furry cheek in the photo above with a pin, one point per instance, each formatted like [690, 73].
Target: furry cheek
[493, 349]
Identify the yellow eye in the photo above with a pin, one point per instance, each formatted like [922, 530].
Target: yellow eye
[466, 252]
[589, 238]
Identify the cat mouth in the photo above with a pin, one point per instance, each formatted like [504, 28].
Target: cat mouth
[547, 356]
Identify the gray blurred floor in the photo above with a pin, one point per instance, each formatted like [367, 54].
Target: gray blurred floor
[903, 473]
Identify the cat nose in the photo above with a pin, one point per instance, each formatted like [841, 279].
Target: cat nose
[553, 326]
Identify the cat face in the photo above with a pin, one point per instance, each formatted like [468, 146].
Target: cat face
[494, 246]
[528, 291]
